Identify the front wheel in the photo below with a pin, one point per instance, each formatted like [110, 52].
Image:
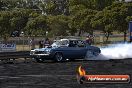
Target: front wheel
[38, 60]
[58, 57]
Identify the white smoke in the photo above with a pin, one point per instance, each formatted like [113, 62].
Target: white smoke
[115, 51]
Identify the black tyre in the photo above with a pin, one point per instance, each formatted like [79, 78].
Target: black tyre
[38, 60]
[58, 57]
[89, 54]
[95, 53]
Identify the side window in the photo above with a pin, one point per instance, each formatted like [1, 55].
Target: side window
[72, 44]
[81, 44]
[65, 42]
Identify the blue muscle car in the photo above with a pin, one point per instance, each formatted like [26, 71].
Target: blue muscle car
[64, 49]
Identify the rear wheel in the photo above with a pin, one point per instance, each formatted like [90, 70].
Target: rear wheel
[89, 54]
[58, 57]
[96, 53]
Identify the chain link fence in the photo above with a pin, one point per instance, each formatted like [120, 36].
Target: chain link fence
[25, 43]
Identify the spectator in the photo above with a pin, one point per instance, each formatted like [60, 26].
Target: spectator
[89, 40]
[40, 44]
[71, 44]
[32, 43]
[46, 42]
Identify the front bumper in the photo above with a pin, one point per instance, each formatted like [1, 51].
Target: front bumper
[41, 56]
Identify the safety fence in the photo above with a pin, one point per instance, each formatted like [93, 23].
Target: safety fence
[25, 43]
[12, 56]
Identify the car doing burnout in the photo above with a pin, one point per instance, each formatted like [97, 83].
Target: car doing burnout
[64, 49]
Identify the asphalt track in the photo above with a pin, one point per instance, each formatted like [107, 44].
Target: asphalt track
[60, 75]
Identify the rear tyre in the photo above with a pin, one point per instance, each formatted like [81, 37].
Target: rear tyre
[89, 54]
[58, 57]
[95, 53]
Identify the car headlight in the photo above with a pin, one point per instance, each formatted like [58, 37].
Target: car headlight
[32, 52]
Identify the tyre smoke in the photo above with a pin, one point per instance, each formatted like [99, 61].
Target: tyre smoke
[117, 51]
[114, 51]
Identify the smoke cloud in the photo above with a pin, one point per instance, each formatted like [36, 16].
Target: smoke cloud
[115, 51]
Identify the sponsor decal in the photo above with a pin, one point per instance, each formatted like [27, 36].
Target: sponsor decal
[83, 78]
[7, 47]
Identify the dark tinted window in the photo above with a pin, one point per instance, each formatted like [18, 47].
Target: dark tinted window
[81, 44]
[72, 43]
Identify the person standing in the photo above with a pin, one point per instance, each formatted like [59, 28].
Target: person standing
[32, 42]
[46, 42]
[89, 40]
[40, 44]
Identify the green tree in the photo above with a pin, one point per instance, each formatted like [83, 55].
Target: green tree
[58, 25]
[82, 11]
[36, 26]
[101, 4]
[103, 21]
[120, 12]
[5, 27]
[92, 4]
[54, 7]
[113, 18]
[81, 21]
[19, 19]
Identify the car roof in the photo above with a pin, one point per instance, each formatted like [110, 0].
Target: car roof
[71, 39]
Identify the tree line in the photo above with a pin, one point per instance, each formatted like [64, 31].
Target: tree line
[63, 17]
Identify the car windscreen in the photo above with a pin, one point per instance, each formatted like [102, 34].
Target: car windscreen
[60, 43]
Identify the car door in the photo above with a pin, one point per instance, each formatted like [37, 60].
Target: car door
[81, 49]
[72, 49]
[76, 51]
